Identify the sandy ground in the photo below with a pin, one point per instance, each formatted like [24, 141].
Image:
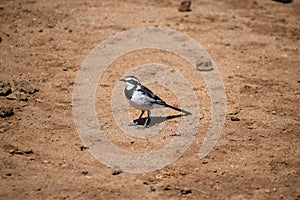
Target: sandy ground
[255, 45]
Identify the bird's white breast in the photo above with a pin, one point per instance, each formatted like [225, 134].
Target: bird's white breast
[140, 101]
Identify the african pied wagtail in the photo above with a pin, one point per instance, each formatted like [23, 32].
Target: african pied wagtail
[141, 98]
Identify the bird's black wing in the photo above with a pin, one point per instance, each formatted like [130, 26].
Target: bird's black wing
[154, 98]
[157, 100]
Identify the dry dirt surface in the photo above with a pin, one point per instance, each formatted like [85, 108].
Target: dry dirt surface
[254, 43]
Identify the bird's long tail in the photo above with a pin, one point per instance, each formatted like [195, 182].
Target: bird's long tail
[178, 109]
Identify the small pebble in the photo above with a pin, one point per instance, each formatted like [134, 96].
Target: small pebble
[234, 119]
[83, 148]
[6, 112]
[8, 174]
[117, 171]
[5, 88]
[167, 187]
[182, 173]
[186, 191]
[84, 173]
[185, 6]
[152, 189]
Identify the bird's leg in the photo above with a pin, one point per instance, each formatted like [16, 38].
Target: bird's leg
[141, 114]
[137, 121]
[148, 118]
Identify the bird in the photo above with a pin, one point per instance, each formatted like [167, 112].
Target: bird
[142, 98]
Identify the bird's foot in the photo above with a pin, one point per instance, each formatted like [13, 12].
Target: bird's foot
[132, 124]
[147, 122]
[141, 121]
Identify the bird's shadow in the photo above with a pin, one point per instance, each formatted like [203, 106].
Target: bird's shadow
[156, 120]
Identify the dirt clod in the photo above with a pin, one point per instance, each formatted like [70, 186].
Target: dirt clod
[21, 152]
[167, 187]
[84, 173]
[5, 88]
[24, 86]
[17, 96]
[152, 189]
[234, 119]
[186, 190]
[117, 170]
[83, 148]
[6, 112]
[185, 6]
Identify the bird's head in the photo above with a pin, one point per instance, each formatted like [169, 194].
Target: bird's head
[131, 81]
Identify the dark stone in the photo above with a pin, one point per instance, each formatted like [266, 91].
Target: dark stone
[167, 187]
[6, 112]
[284, 1]
[186, 191]
[234, 119]
[117, 171]
[185, 6]
[5, 89]
[84, 173]
[25, 87]
[83, 148]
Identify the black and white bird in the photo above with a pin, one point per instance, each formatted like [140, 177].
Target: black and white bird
[141, 98]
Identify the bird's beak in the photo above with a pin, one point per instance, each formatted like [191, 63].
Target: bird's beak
[122, 79]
